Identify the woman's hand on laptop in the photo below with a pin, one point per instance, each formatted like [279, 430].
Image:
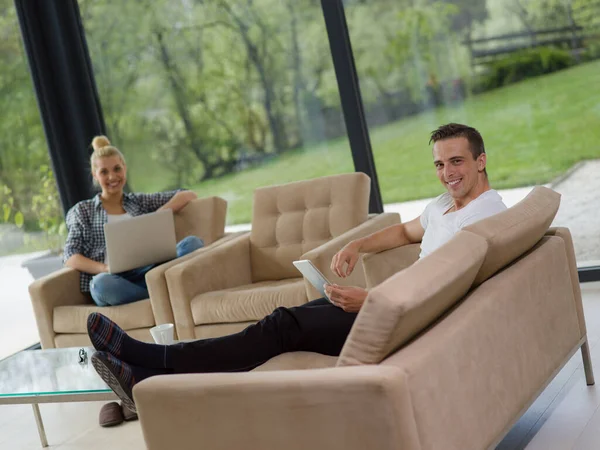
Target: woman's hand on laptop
[87, 265]
[349, 298]
[347, 255]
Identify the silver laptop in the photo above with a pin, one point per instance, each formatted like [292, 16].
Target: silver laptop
[140, 240]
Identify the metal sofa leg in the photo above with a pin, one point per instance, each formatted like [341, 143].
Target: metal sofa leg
[587, 363]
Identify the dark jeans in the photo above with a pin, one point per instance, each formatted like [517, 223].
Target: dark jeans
[317, 326]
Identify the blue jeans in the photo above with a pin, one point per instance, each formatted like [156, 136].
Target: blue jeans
[110, 289]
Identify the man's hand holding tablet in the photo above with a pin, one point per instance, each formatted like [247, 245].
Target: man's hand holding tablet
[349, 298]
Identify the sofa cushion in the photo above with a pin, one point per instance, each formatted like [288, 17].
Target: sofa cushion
[298, 361]
[403, 305]
[291, 219]
[512, 232]
[213, 330]
[73, 319]
[247, 302]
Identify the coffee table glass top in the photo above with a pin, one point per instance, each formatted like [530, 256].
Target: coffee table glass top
[49, 372]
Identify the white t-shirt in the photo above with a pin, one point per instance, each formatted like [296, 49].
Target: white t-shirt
[117, 217]
[440, 227]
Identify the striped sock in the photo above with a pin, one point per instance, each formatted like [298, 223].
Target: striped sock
[107, 336]
[120, 376]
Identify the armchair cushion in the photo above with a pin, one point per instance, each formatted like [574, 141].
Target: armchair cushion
[409, 301]
[297, 361]
[248, 302]
[291, 219]
[512, 232]
[73, 319]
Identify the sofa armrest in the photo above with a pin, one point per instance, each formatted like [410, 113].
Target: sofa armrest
[221, 267]
[60, 288]
[565, 235]
[378, 267]
[350, 408]
[156, 281]
[321, 256]
[203, 217]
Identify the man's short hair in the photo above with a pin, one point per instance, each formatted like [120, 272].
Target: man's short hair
[455, 130]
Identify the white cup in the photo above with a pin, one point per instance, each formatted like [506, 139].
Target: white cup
[163, 334]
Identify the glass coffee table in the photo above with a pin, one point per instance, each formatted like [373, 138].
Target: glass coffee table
[51, 376]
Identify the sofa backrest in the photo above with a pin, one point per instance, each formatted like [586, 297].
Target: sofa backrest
[203, 217]
[291, 219]
[511, 233]
[405, 304]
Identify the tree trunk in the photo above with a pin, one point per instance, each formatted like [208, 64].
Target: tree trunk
[275, 123]
[299, 85]
[179, 97]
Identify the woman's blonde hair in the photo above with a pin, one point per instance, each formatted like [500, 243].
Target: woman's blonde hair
[103, 149]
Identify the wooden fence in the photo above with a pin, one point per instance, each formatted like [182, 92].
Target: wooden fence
[488, 49]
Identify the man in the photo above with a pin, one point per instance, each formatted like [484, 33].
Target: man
[321, 325]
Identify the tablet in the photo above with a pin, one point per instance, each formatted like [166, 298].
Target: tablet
[312, 274]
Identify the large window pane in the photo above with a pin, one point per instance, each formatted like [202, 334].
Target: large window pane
[221, 96]
[526, 74]
[31, 223]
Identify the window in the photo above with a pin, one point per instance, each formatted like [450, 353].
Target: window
[525, 74]
[31, 223]
[220, 97]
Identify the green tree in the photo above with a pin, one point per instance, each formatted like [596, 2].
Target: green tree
[23, 147]
[228, 79]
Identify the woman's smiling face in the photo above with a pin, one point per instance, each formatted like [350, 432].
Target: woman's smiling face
[111, 174]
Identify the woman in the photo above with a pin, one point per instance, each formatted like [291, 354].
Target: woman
[85, 249]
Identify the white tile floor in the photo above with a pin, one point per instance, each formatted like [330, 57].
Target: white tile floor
[17, 321]
[565, 416]
[68, 426]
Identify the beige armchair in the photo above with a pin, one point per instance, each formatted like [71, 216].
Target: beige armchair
[224, 290]
[61, 309]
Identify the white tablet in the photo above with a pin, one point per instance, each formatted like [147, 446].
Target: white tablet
[312, 274]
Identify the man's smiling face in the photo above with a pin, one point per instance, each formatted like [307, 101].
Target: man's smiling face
[456, 168]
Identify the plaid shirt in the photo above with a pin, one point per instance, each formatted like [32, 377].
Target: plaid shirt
[85, 222]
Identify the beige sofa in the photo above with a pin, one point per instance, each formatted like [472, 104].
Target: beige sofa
[61, 309]
[224, 290]
[445, 354]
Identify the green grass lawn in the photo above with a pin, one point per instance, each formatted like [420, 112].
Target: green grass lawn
[534, 131]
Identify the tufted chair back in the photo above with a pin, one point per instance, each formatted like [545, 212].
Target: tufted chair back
[289, 220]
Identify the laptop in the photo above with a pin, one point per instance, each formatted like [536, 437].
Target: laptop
[140, 241]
